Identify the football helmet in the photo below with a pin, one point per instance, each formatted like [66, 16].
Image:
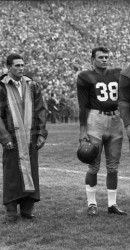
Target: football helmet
[87, 152]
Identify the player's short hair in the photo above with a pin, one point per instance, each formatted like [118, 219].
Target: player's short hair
[101, 48]
[11, 57]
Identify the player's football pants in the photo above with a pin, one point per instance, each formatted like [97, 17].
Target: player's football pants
[107, 132]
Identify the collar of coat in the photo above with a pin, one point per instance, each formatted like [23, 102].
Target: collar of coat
[6, 79]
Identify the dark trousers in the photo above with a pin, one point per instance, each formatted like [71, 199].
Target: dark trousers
[26, 206]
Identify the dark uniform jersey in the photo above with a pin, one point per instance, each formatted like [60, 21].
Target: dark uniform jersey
[98, 92]
[124, 95]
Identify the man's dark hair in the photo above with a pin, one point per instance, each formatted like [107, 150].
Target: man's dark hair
[11, 57]
[101, 48]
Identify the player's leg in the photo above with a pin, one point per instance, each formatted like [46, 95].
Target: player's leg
[91, 185]
[94, 131]
[91, 175]
[113, 147]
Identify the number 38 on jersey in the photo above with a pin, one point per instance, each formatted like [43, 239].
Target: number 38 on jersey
[107, 91]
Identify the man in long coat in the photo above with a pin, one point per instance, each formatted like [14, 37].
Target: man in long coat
[22, 133]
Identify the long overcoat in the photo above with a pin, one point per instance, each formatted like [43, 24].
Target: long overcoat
[12, 176]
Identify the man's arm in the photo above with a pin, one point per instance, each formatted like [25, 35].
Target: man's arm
[5, 137]
[40, 111]
[83, 100]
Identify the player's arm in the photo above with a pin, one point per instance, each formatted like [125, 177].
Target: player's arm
[83, 100]
[124, 102]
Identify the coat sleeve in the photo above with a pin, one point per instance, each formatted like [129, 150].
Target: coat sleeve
[124, 99]
[5, 137]
[40, 111]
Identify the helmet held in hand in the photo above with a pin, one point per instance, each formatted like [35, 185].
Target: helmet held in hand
[87, 152]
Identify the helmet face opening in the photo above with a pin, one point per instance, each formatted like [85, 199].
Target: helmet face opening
[87, 152]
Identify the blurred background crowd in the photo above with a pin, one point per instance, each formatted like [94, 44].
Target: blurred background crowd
[56, 38]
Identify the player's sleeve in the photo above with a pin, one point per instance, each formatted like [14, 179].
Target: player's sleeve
[124, 99]
[83, 99]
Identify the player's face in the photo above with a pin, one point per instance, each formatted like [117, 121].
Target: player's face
[101, 60]
[16, 69]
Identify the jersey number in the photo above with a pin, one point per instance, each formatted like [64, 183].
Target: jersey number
[109, 91]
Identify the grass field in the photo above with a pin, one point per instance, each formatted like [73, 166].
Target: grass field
[62, 222]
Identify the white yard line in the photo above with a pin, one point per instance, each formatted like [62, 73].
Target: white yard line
[72, 171]
[77, 172]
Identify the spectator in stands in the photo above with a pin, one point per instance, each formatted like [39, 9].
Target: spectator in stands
[64, 108]
[76, 109]
[53, 109]
[53, 54]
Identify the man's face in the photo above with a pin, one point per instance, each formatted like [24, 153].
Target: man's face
[17, 68]
[101, 60]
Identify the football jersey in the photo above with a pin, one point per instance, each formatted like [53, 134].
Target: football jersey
[97, 91]
[124, 95]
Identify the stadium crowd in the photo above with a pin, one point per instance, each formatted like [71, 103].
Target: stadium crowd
[56, 38]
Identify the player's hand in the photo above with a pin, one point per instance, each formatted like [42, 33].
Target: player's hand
[9, 146]
[83, 137]
[40, 141]
[128, 131]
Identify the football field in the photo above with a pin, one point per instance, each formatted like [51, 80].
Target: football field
[62, 222]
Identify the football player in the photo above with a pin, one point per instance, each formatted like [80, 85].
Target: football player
[124, 98]
[100, 122]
